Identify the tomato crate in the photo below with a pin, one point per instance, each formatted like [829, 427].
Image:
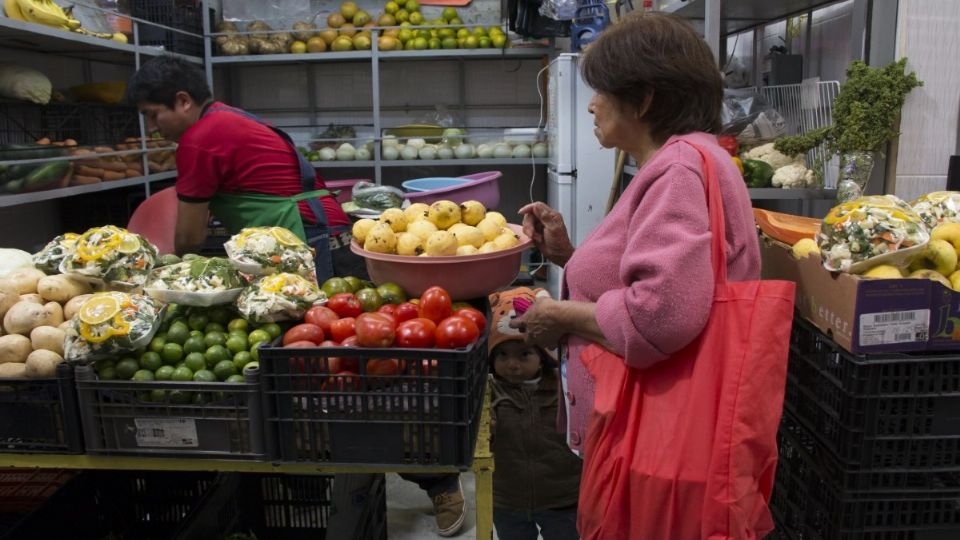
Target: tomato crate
[291, 507]
[40, 415]
[121, 505]
[425, 411]
[173, 419]
[809, 504]
[875, 410]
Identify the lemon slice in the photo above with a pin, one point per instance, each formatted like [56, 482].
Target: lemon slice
[129, 244]
[99, 309]
[285, 237]
[274, 284]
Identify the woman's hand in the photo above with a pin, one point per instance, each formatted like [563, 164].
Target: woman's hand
[545, 227]
[540, 324]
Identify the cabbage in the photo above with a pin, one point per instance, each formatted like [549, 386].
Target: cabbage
[12, 259]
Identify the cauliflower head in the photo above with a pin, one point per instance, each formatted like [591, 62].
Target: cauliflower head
[767, 153]
[793, 175]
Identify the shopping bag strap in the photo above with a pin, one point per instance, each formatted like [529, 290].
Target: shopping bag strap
[718, 227]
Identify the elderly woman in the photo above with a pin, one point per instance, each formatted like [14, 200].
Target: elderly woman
[641, 285]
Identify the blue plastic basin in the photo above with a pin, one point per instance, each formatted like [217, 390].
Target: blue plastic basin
[430, 184]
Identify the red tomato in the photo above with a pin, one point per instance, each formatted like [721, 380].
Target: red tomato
[386, 367]
[344, 381]
[345, 305]
[728, 143]
[407, 311]
[474, 315]
[341, 329]
[328, 343]
[321, 316]
[303, 332]
[375, 330]
[416, 334]
[390, 309]
[435, 304]
[351, 341]
[303, 344]
[456, 332]
[345, 363]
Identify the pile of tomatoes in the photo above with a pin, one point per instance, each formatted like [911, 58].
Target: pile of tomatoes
[433, 321]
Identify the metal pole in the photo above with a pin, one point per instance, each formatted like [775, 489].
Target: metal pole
[711, 26]
[207, 48]
[377, 128]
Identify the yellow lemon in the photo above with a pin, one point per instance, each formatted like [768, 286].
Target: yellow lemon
[99, 309]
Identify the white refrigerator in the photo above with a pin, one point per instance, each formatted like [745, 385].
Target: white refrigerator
[580, 171]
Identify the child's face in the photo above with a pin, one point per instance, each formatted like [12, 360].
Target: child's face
[515, 362]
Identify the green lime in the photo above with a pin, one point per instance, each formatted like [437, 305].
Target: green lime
[198, 321]
[251, 367]
[219, 315]
[242, 334]
[255, 353]
[205, 375]
[224, 369]
[152, 360]
[194, 344]
[179, 365]
[236, 344]
[108, 362]
[392, 293]
[355, 283]
[216, 354]
[336, 285]
[108, 373]
[238, 324]
[272, 329]
[182, 374]
[178, 333]
[195, 361]
[157, 343]
[370, 299]
[158, 396]
[143, 375]
[180, 397]
[241, 359]
[126, 368]
[258, 336]
[172, 353]
[164, 373]
[196, 333]
[201, 398]
[214, 327]
[235, 379]
[214, 338]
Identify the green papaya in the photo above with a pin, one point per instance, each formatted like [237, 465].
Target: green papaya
[46, 176]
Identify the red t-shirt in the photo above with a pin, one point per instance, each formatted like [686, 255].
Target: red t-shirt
[230, 153]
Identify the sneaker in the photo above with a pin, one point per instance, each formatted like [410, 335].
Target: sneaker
[449, 509]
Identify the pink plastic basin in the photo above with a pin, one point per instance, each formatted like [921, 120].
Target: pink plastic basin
[464, 277]
[345, 187]
[484, 188]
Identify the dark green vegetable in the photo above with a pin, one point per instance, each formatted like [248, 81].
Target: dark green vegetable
[757, 173]
[46, 175]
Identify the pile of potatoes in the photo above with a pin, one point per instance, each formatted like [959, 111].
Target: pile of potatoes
[34, 308]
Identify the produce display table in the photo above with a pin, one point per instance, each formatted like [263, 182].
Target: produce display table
[482, 467]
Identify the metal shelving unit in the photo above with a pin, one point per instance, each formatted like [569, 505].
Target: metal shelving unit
[350, 56]
[429, 162]
[37, 196]
[736, 16]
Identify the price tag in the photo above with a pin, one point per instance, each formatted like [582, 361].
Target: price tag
[167, 432]
[894, 327]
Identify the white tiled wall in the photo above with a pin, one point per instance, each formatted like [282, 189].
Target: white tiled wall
[927, 35]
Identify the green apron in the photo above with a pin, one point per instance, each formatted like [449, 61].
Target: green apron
[239, 210]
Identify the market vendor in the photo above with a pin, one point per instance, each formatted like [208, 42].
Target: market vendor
[243, 170]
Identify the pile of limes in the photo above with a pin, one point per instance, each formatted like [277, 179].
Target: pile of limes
[194, 344]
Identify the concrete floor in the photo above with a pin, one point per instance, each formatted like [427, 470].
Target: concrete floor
[410, 512]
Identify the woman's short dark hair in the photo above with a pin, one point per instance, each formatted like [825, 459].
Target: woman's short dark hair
[659, 54]
[159, 79]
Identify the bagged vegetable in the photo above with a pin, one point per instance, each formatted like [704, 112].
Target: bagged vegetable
[49, 258]
[279, 297]
[25, 84]
[938, 207]
[196, 282]
[112, 255]
[111, 323]
[368, 195]
[268, 250]
[13, 259]
[872, 230]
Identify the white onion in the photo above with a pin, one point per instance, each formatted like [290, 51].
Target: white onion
[502, 150]
[540, 150]
[521, 151]
[408, 152]
[390, 140]
[416, 143]
[390, 152]
[363, 153]
[428, 152]
[485, 151]
[444, 152]
[464, 151]
[327, 154]
[346, 153]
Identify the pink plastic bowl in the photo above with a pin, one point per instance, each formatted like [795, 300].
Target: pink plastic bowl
[345, 187]
[464, 277]
[484, 188]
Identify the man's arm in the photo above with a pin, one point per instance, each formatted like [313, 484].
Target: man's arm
[191, 231]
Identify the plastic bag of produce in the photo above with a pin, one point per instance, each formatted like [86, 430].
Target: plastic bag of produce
[938, 207]
[12, 259]
[49, 258]
[368, 195]
[871, 230]
[111, 255]
[268, 250]
[279, 297]
[109, 324]
[197, 282]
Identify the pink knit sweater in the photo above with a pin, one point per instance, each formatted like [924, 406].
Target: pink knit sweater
[647, 265]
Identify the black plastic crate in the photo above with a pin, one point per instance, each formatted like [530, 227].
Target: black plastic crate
[876, 410]
[121, 505]
[808, 503]
[289, 507]
[90, 124]
[179, 14]
[40, 415]
[426, 414]
[211, 420]
[22, 491]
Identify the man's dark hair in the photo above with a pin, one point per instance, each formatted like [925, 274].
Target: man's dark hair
[159, 79]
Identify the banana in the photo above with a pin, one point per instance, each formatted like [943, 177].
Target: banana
[12, 9]
[53, 7]
[938, 255]
[36, 11]
[102, 35]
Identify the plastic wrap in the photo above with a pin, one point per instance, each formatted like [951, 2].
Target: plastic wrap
[748, 116]
[279, 297]
[938, 207]
[373, 197]
[49, 258]
[131, 327]
[261, 251]
[113, 256]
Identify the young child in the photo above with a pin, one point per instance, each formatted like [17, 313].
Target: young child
[536, 477]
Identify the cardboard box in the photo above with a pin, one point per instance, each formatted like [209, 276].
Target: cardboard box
[868, 315]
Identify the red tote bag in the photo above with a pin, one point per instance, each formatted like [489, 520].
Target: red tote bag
[687, 449]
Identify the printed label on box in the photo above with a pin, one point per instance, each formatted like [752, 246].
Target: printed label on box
[894, 327]
[167, 432]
